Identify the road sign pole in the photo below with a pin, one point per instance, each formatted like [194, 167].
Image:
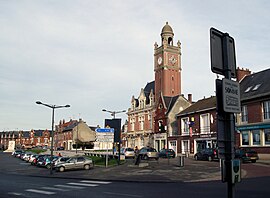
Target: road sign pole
[223, 61]
[229, 125]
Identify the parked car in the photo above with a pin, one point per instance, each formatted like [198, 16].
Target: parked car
[60, 160]
[32, 157]
[246, 155]
[19, 154]
[128, 152]
[14, 153]
[26, 156]
[167, 153]
[48, 161]
[209, 154]
[39, 159]
[60, 148]
[148, 152]
[75, 163]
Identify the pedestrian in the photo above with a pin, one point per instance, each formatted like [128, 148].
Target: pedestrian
[59, 155]
[137, 156]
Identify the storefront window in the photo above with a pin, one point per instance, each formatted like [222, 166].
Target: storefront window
[267, 136]
[245, 138]
[256, 137]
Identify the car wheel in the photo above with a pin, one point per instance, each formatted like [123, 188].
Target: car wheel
[62, 169]
[145, 157]
[87, 167]
[210, 158]
[48, 166]
[253, 161]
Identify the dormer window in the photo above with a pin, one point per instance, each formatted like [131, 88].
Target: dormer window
[248, 89]
[256, 87]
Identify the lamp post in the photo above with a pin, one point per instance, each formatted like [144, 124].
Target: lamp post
[53, 107]
[113, 113]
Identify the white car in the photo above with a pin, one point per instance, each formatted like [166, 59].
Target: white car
[128, 152]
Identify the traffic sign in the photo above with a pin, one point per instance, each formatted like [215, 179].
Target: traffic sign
[105, 130]
[222, 52]
[231, 96]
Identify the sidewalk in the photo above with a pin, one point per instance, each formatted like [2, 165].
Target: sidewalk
[163, 170]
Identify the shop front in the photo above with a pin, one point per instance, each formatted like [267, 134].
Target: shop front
[160, 140]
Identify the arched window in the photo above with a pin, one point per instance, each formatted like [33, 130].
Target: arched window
[170, 41]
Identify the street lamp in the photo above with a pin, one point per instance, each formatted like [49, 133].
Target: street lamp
[113, 112]
[52, 107]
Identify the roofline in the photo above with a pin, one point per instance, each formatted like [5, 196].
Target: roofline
[255, 96]
[192, 112]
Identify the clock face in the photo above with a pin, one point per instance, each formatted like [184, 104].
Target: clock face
[172, 60]
[159, 60]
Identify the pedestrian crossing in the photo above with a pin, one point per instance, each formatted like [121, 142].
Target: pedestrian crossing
[69, 186]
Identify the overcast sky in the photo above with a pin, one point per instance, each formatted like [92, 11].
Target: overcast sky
[98, 54]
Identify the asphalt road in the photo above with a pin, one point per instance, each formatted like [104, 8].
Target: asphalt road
[15, 184]
[12, 185]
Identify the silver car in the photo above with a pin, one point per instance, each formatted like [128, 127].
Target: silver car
[148, 152]
[75, 163]
[128, 152]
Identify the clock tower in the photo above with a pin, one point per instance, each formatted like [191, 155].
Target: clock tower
[167, 65]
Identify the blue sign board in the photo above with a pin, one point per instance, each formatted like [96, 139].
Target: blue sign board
[105, 130]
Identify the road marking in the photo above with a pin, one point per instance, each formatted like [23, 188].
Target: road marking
[67, 186]
[122, 194]
[53, 188]
[95, 182]
[14, 193]
[80, 184]
[40, 191]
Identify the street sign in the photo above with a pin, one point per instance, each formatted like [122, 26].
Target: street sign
[105, 135]
[105, 130]
[231, 96]
[222, 52]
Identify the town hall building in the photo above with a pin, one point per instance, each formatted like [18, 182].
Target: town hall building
[152, 116]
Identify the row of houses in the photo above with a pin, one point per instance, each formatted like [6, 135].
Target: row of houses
[71, 135]
[162, 117]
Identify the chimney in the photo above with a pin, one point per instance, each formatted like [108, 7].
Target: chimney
[241, 73]
[190, 98]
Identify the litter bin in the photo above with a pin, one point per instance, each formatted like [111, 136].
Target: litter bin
[181, 160]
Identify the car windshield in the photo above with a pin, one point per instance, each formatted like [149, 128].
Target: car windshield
[129, 149]
[151, 150]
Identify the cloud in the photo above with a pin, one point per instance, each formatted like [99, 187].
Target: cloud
[98, 54]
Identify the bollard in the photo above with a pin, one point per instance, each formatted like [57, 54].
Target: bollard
[181, 161]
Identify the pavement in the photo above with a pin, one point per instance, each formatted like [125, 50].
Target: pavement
[163, 170]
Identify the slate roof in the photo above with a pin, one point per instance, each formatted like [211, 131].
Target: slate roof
[169, 102]
[256, 85]
[70, 126]
[38, 133]
[147, 90]
[200, 105]
[26, 134]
